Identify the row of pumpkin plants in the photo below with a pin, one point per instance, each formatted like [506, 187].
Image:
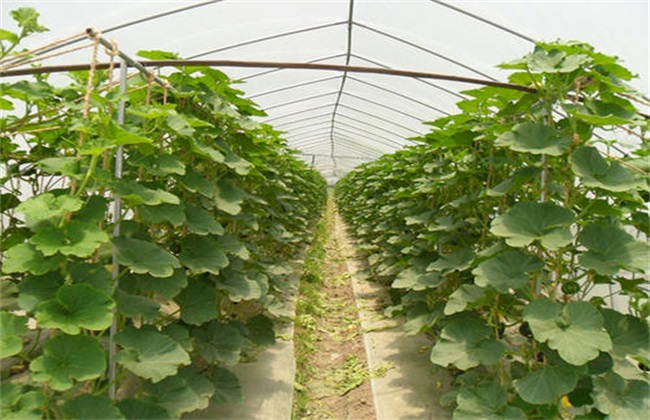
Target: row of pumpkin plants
[499, 230]
[214, 206]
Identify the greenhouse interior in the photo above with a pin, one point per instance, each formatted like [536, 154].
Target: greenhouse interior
[325, 209]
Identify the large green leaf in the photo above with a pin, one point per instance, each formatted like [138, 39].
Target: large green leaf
[76, 307]
[198, 302]
[611, 249]
[25, 258]
[160, 165]
[546, 60]
[201, 221]
[595, 171]
[12, 327]
[415, 278]
[486, 401]
[37, 289]
[185, 392]
[242, 285]
[19, 404]
[630, 335]
[170, 213]
[137, 194]
[134, 409]
[620, 398]
[136, 306]
[524, 175]
[465, 342]
[507, 271]
[458, 260]
[87, 406]
[75, 238]
[220, 343]
[461, 297]
[167, 287]
[565, 325]
[236, 162]
[535, 138]
[195, 182]
[202, 254]
[145, 257]
[206, 151]
[526, 222]
[544, 386]
[111, 136]
[228, 197]
[47, 206]
[227, 387]
[150, 354]
[69, 357]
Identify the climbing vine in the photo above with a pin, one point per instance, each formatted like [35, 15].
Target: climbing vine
[129, 294]
[515, 234]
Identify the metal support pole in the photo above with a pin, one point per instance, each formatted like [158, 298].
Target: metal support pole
[117, 211]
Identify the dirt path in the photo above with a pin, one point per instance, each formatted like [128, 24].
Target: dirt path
[333, 380]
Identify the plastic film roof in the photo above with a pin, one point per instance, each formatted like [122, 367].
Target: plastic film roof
[339, 119]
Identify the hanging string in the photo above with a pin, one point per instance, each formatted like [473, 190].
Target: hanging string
[26, 54]
[112, 53]
[91, 81]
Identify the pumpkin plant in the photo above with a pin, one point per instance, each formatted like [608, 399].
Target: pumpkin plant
[515, 234]
[131, 295]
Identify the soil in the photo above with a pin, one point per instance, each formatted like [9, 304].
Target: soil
[340, 386]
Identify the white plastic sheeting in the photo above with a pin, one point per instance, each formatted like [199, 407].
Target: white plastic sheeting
[339, 119]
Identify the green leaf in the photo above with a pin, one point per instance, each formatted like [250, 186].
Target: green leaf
[461, 297]
[157, 55]
[36, 289]
[150, 354]
[620, 398]
[526, 222]
[226, 386]
[228, 197]
[596, 171]
[87, 406]
[47, 206]
[134, 305]
[219, 343]
[523, 176]
[564, 326]
[507, 271]
[611, 249]
[145, 257]
[64, 165]
[599, 113]
[179, 124]
[555, 61]
[69, 357]
[182, 393]
[458, 260]
[167, 287]
[76, 238]
[630, 335]
[111, 136]
[233, 246]
[416, 279]
[195, 182]
[137, 194]
[12, 327]
[18, 404]
[486, 401]
[535, 138]
[95, 275]
[161, 164]
[201, 221]
[206, 151]
[25, 258]
[27, 19]
[198, 302]
[75, 307]
[170, 213]
[546, 385]
[240, 165]
[261, 330]
[202, 254]
[465, 342]
[133, 409]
